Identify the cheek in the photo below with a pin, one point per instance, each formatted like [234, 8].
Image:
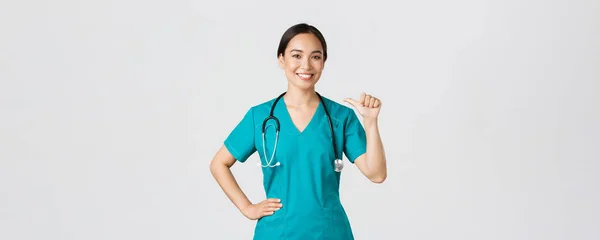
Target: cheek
[318, 65]
[291, 66]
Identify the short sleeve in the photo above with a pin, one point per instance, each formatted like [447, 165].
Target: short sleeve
[355, 140]
[240, 141]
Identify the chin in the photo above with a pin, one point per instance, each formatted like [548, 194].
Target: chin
[305, 85]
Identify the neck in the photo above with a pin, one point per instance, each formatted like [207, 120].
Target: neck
[300, 97]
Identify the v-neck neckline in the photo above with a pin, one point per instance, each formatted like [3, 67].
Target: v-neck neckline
[291, 121]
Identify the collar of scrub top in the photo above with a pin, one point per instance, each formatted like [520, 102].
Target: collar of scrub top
[338, 163]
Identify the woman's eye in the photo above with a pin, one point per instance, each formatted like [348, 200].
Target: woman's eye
[296, 56]
[317, 57]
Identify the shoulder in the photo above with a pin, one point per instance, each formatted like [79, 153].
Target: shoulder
[258, 111]
[263, 108]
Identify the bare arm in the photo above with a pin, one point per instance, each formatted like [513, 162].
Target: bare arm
[373, 163]
[220, 168]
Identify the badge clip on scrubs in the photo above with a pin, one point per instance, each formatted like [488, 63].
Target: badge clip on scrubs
[338, 164]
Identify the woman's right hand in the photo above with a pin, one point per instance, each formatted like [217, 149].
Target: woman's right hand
[261, 209]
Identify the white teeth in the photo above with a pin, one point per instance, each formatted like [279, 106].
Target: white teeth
[305, 75]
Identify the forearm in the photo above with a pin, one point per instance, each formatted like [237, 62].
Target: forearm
[375, 155]
[229, 185]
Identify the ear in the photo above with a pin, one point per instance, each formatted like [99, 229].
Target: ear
[281, 61]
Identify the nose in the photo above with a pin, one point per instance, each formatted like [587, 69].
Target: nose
[305, 64]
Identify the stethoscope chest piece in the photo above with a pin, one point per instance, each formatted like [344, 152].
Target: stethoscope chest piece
[338, 165]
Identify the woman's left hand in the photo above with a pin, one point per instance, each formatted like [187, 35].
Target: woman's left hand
[368, 106]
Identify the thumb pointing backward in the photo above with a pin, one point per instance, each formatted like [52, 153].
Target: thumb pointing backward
[352, 102]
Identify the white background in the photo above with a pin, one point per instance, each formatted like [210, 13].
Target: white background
[112, 110]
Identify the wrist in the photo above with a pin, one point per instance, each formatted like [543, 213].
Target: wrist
[370, 122]
[244, 206]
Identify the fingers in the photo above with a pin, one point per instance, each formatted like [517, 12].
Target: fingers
[269, 206]
[363, 98]
[377, 103]
[367, 100]
[372, 102]
[273, 207]
[267, 213]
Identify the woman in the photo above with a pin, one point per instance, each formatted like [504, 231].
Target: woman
[301, 170]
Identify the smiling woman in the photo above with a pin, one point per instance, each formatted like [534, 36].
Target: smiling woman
[302, 169]
[302, 53]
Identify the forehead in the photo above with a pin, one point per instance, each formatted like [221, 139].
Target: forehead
[305, 42]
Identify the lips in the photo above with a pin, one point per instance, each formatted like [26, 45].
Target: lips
[305, 76]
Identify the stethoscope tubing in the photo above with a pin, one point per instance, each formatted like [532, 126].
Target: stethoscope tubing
[337, 162]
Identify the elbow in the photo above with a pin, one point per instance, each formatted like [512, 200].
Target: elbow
[212, 167]
[378, 179]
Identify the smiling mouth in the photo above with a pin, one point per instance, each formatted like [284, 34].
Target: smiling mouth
[305, 76]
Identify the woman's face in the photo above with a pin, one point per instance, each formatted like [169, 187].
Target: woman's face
[303, 61]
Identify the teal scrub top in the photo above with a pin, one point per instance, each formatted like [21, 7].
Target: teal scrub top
[305, 180]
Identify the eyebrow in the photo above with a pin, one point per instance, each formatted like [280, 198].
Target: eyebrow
[298, 50]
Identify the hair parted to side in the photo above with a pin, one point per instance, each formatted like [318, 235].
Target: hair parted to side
[298, 29]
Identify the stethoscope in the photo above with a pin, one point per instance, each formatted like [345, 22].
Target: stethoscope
[338, 163]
